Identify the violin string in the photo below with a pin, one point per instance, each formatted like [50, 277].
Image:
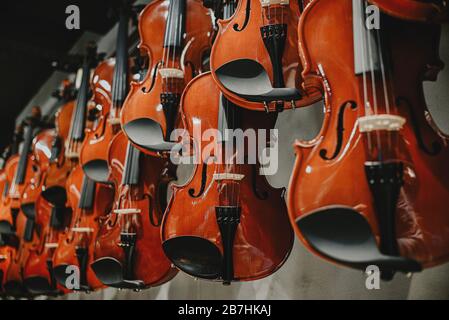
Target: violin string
[366, 110]
[373, 87]
[384, 84]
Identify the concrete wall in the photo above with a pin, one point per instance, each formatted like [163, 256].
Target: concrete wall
[304, 276]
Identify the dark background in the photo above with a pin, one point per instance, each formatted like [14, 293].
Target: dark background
[33, 35]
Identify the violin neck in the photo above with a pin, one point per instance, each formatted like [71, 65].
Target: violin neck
[175, 26]
[23, 160]
[119, 82]
[132, 169]
[87, 195]
[79, 116]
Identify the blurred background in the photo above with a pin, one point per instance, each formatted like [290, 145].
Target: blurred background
[33, 49]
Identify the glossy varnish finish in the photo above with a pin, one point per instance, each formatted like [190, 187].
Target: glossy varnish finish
[144, 98]
[317, 183]
[147, 199]
[263, 237]
[242, 33]
[83, 230]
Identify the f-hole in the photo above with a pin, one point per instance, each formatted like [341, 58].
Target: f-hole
[436, 146]
[153, 78]
[247, 16]
[155, 220]
[340, 130]
[203, 183]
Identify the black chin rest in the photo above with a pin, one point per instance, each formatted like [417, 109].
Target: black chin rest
[110, 272]
[39, 286]
[147, 134]
[56, 195]
[6, 228]
[15, 289]
[344, 235]
[29, 210]
[195, 256]
[249, 79]
[97, 170]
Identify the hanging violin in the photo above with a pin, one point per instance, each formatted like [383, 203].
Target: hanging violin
[262, 71]
[359, 193]
[175, 56]
[226, 223]
[128, 250]
[109, 86]
[24, 189]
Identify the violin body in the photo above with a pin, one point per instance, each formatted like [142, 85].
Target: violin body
[76, 247]
[128, 246]
[335, 183]
[150, 109]
[243, 33]
[18, 277]
[37, 270]
[96, 143]
[263, 237]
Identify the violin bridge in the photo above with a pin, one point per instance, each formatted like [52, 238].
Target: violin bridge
[114, 121]
[51, 245]
[388, 122]
[82, 229]
[171, 73]
[228, 176]
[127, 211]
[267, 3]
[72, 155]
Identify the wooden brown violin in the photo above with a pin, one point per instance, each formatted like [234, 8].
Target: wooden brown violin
[109, 85]
[128, 250]
[371, 189]
[226, 223]
[175, 35]
[254, 59]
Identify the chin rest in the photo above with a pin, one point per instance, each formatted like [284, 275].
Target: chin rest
[344, 235]
[40, 286]
[249, 79]
[15, 289]
[56, 195]
[97, 170]
[195, 256]
[110, 272]
[147, 134]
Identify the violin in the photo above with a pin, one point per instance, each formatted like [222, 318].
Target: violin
[109, 85]
[262, 71]
[128, 250]
[7, 247]
[175, 35]
[359, 192]
[88, 201]
[25, 187]
[237, 227]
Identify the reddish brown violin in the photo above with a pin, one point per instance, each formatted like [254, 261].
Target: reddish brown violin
[254, 59]
[89, 201]
[109, 85]
[25, 188]
[227, 223]
[175, 57]
[372, 188]
[128, 250]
